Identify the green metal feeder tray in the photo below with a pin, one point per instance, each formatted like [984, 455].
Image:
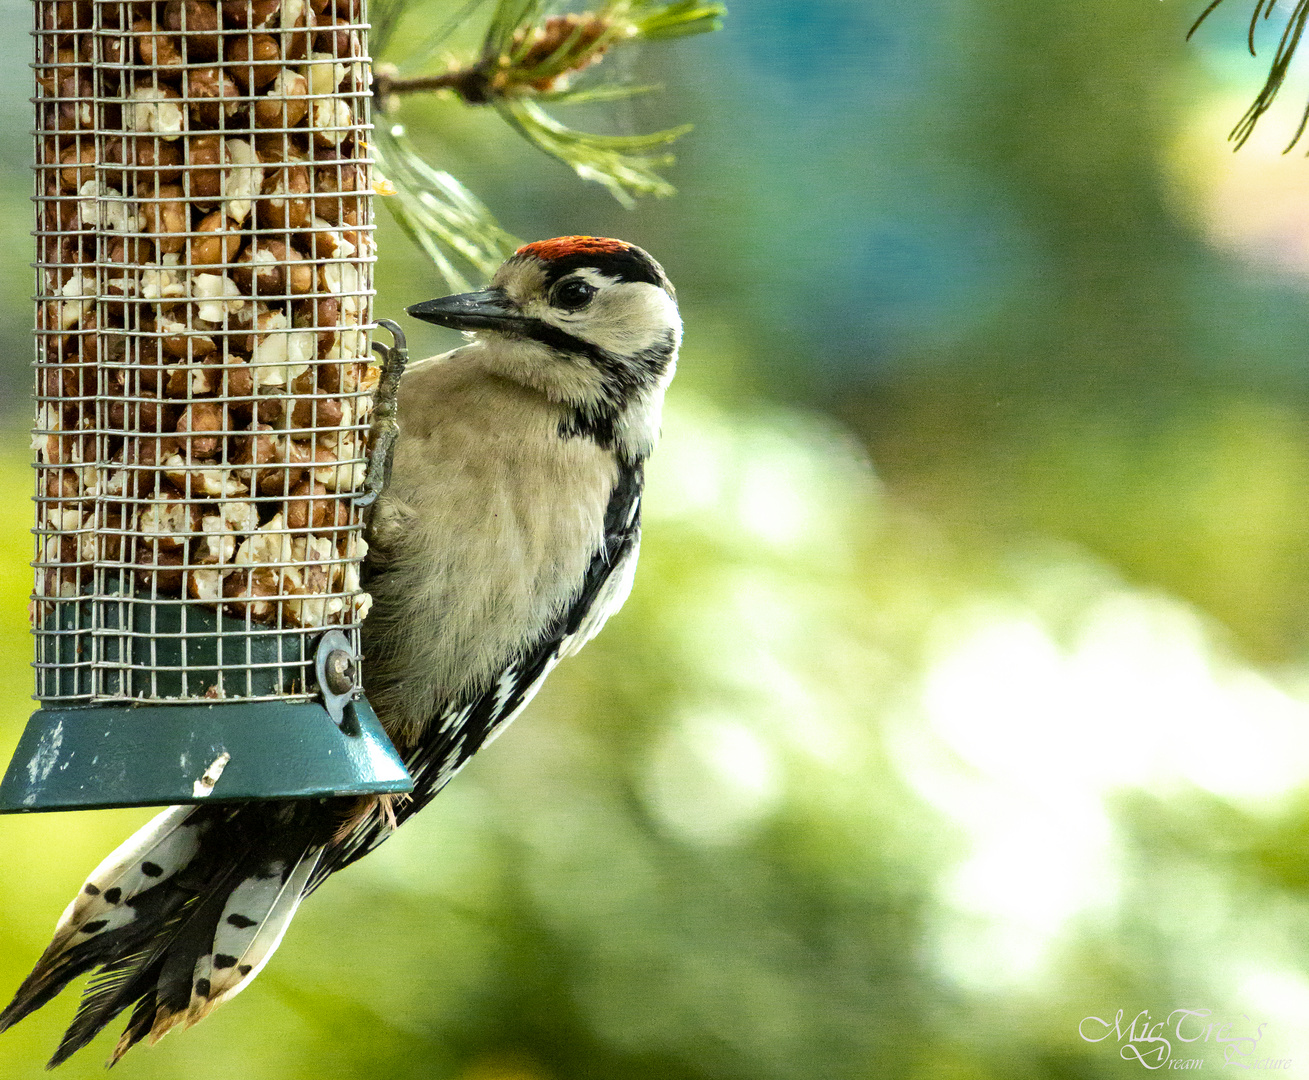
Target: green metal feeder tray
[84, 756]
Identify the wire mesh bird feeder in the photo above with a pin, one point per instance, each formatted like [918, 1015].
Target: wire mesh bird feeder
[204, 393]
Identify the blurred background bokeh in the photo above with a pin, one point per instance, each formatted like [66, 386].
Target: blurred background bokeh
[964, 692]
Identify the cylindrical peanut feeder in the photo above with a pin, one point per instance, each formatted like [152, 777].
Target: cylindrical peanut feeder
[203, 387]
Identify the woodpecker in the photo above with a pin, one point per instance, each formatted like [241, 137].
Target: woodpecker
[505, 537]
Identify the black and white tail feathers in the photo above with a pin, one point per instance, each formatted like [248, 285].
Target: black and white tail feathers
[179, 918]
[185, 913]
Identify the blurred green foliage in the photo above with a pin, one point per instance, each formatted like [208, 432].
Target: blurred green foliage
[963, 692]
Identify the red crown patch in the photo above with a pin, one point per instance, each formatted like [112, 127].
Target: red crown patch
[561, 246]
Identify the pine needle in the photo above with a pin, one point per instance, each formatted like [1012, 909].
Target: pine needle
[1292, 35]
[438, 213]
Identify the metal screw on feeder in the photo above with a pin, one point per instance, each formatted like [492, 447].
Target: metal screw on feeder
[340, 670]
[204, 400]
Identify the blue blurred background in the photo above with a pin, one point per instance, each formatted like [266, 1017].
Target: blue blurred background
[964, 693]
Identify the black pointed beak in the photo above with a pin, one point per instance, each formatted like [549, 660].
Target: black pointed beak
[489, 309]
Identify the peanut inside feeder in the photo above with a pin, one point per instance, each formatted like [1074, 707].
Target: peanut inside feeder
[204, 267]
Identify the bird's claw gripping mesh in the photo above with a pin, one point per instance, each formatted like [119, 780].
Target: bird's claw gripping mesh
[386, 428]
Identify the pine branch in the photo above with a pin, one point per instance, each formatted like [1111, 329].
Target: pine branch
[529, 57]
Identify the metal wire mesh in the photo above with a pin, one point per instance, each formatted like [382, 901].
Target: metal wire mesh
[203, 272]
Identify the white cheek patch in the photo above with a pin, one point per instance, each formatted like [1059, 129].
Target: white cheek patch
[625, 318]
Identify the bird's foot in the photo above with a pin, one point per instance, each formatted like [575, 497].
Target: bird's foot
[385, 429]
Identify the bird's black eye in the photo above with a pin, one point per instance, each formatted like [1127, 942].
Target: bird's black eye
[572, 294]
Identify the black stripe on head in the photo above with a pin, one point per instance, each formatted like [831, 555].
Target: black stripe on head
[561, 340]
[616, 258]
[624, 374]
[626, 264]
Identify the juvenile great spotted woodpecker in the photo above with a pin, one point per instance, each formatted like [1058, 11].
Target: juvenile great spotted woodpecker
[506, 536]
